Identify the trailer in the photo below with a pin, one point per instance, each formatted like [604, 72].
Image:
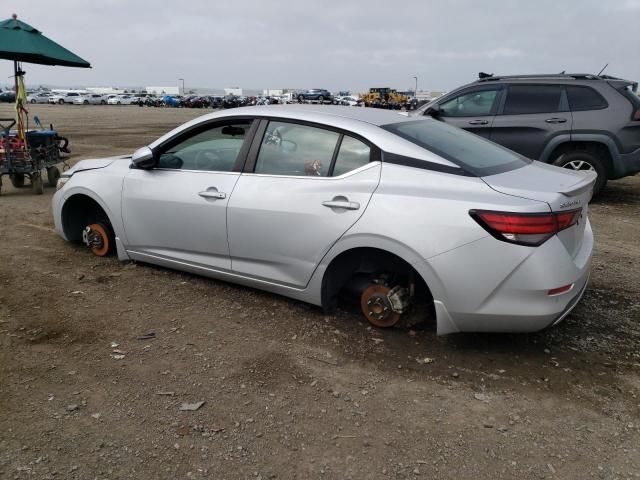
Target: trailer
[27, 159]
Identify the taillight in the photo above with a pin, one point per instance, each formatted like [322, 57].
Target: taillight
[531, 229]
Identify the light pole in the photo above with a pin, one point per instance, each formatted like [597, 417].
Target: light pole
[182, 80]
[415, 93]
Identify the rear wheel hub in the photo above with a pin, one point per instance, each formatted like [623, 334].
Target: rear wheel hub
[376, 306]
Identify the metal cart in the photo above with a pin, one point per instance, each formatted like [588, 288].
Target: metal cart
[19, 160]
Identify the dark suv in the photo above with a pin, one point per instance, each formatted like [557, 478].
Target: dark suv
[578, 121]
[317, 94]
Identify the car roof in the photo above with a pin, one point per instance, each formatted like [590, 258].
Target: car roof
[325, 113]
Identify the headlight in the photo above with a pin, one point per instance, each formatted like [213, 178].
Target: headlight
[62, 180]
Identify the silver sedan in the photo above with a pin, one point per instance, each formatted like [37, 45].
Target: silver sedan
[335, 204]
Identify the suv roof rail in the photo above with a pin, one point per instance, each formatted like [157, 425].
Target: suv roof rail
[545, 76]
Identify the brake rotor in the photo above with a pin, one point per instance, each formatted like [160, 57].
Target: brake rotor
[376, 306]
[96, 238]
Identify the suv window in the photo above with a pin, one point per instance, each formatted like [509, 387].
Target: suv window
[214, 150]
[294, 149]
[352, 154]
[528, 99]
[472, 153]
[585, 98]
[477, 103]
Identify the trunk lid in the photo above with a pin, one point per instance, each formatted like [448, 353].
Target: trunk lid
[561, 189]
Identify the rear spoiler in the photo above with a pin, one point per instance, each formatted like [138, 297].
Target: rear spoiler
[584, 184]
[619, 84]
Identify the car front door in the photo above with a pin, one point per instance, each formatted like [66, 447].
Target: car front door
[304, 187]
[472, 109]
[530, 116]
[178, 209]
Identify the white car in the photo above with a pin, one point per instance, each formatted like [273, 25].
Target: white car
[326, 203]
[350, 101]
[38, 97]
[121, 100]
[90, 99]
[61, 98]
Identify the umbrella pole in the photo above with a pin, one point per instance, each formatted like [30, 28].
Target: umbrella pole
[15, 75]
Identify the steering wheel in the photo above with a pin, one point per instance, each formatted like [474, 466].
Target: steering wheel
[206, 159]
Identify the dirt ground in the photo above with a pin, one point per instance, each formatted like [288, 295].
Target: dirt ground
[290, 393]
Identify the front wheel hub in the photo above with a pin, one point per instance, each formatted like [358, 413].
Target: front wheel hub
[95, 237]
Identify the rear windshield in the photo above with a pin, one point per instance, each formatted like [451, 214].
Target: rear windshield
[470, 152]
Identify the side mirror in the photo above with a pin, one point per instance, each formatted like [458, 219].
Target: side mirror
[143, 158]
[433, 111]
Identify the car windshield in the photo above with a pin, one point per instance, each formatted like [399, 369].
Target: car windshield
[472, 153]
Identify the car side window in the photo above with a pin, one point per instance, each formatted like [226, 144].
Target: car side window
[213, 150]
[585, 98]
[294, 149]
[352, 154]
[476, 103]
[529, 99]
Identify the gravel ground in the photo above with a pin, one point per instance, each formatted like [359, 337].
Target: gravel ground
[290, 393]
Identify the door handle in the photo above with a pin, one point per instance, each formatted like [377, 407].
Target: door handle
[556, 120]
[346, 204]
[212, 193]
[478, 122]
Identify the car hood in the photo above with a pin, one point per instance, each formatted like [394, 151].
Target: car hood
[94, 164]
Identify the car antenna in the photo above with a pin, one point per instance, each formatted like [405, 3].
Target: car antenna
[603, 68]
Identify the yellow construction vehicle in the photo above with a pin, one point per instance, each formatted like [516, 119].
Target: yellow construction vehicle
[384, 98]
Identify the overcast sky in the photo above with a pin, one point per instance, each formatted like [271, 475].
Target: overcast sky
[329, 44]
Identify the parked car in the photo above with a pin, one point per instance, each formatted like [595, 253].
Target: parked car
[38, 97]
[171, 101]
[575, 121]
[351, 101]
[215, 101]
[7, 97]
[231, 101]
[319, 95]
[90, 99]
[484, 238]
[61, 98]
[121, 100]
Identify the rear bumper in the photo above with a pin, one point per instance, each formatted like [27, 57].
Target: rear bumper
[490, 286]
[626, 164]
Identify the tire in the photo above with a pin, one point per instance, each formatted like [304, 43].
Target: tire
[61, 102]
[86, 102]
[53, 174]
[119, 103]
[36, 183]
[301, 99]
[102, 102]
[585, 160]
[17, 180]
[321, 99]
[33, 100]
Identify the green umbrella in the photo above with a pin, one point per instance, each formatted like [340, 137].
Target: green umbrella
[23, 43]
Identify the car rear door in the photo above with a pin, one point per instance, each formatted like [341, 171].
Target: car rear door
[529, 116]
[303, 188]
[177, 210]
[472, 109]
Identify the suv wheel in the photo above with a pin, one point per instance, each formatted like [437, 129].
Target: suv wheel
[321, 99]
[584, 160]
[301, 99]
